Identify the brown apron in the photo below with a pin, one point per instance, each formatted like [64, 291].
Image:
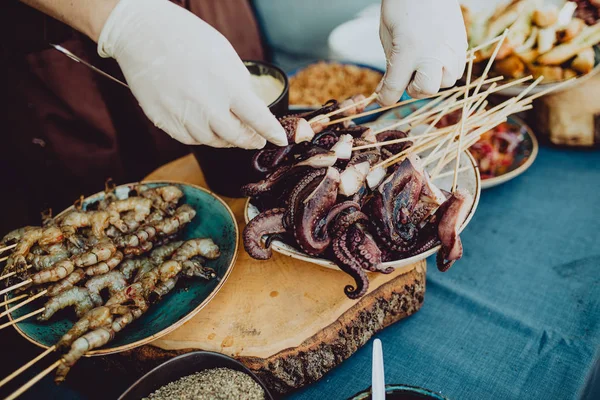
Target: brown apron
[66, 129]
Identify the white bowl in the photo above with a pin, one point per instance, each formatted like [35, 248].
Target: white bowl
[468, 179]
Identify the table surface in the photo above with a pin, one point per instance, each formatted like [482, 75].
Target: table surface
[517, 317]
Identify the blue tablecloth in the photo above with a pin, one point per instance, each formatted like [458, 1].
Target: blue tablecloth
[519, 316]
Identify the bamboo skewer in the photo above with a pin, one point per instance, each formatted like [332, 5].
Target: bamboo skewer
[405, 102]
[456, 105]
[12, 246]
[3, 277]
[10, 301]
[365, 101]
[392, 160]
[26, 366]
[33, 381]
[449, 173]
[22, 318]
[16, 286]
[463, 117]
[29, 300]
[3, 259]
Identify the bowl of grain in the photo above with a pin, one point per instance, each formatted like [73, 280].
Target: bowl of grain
[199, 375]
[315, 84]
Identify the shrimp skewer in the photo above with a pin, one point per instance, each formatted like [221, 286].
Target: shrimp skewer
[114, 281]
[105, 266]
[76, 296]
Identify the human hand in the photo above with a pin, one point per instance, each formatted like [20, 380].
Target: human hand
[187, 77]
[425, 44]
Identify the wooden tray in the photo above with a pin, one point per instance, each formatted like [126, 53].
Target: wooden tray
[285, 319]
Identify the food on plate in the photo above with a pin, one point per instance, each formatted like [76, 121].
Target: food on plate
[322, 81]
[330, 201]
[542, 40]
[211, 384]
[497, 149]
[110, 262]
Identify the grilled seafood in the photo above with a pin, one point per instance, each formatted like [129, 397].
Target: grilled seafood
[105, 266]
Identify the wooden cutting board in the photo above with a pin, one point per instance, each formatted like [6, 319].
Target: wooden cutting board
[287, 320]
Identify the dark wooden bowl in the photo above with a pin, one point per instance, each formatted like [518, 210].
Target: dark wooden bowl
[184, 365]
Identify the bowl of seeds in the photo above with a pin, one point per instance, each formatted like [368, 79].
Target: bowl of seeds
[199, 375]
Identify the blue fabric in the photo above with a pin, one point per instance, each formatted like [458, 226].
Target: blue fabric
[519, 316]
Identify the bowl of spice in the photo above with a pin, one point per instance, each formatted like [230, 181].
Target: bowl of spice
[199, 375]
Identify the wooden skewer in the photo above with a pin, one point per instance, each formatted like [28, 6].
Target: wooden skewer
[26, 366]
[438, 132]
[396, 158]
[12, 246]
[3, 277]
[16, 286]
[490, 61]
[33, 381]
[484, 45]
[405, 102]
[29, 300]
[466, 108]
[3, 259]
[366, 101]
[10, 301]
[449, 173]
[22, 318]
[457, 105]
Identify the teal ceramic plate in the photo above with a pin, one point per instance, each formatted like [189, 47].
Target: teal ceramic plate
[524, 158]
[401, 392]
[214, 219]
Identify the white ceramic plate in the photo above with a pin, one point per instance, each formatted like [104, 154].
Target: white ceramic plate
[468, 179]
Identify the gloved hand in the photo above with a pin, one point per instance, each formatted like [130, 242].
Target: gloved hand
[425, 44]
[187, 77]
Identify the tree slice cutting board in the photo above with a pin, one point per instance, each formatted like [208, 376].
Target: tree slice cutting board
[286, 319]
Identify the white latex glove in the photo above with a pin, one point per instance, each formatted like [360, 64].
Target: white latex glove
[187, 77]
[425, 44]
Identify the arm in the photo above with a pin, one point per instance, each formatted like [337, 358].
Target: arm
[87, 16]
[186, 76]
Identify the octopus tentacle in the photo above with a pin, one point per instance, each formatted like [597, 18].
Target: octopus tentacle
[268, 159]
[453, 213]
[349, 266]
[266, 223]
[310, 213]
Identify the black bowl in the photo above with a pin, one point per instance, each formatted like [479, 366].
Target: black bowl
[401, 392]
[227, 170]
[184, 365]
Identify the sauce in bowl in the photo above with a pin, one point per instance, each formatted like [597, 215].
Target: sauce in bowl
[267, 87]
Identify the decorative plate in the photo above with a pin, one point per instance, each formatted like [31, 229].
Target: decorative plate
[214, 219]
[467, 179]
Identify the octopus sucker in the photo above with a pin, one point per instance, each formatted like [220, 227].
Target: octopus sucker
[267, 223]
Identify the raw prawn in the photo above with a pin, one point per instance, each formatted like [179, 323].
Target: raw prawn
[129, 266]
[58, 271]
[183, 215]
[114, 281]
[76, 296]
[105, 266]
[67, 283]
[91, 340]
[93, 319]
[102, 251]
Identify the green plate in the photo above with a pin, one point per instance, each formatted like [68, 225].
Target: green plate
[214, 219]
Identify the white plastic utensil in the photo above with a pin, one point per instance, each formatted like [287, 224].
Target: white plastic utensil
[377, 374]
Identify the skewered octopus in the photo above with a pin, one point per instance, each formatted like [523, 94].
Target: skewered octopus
[333, 202]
